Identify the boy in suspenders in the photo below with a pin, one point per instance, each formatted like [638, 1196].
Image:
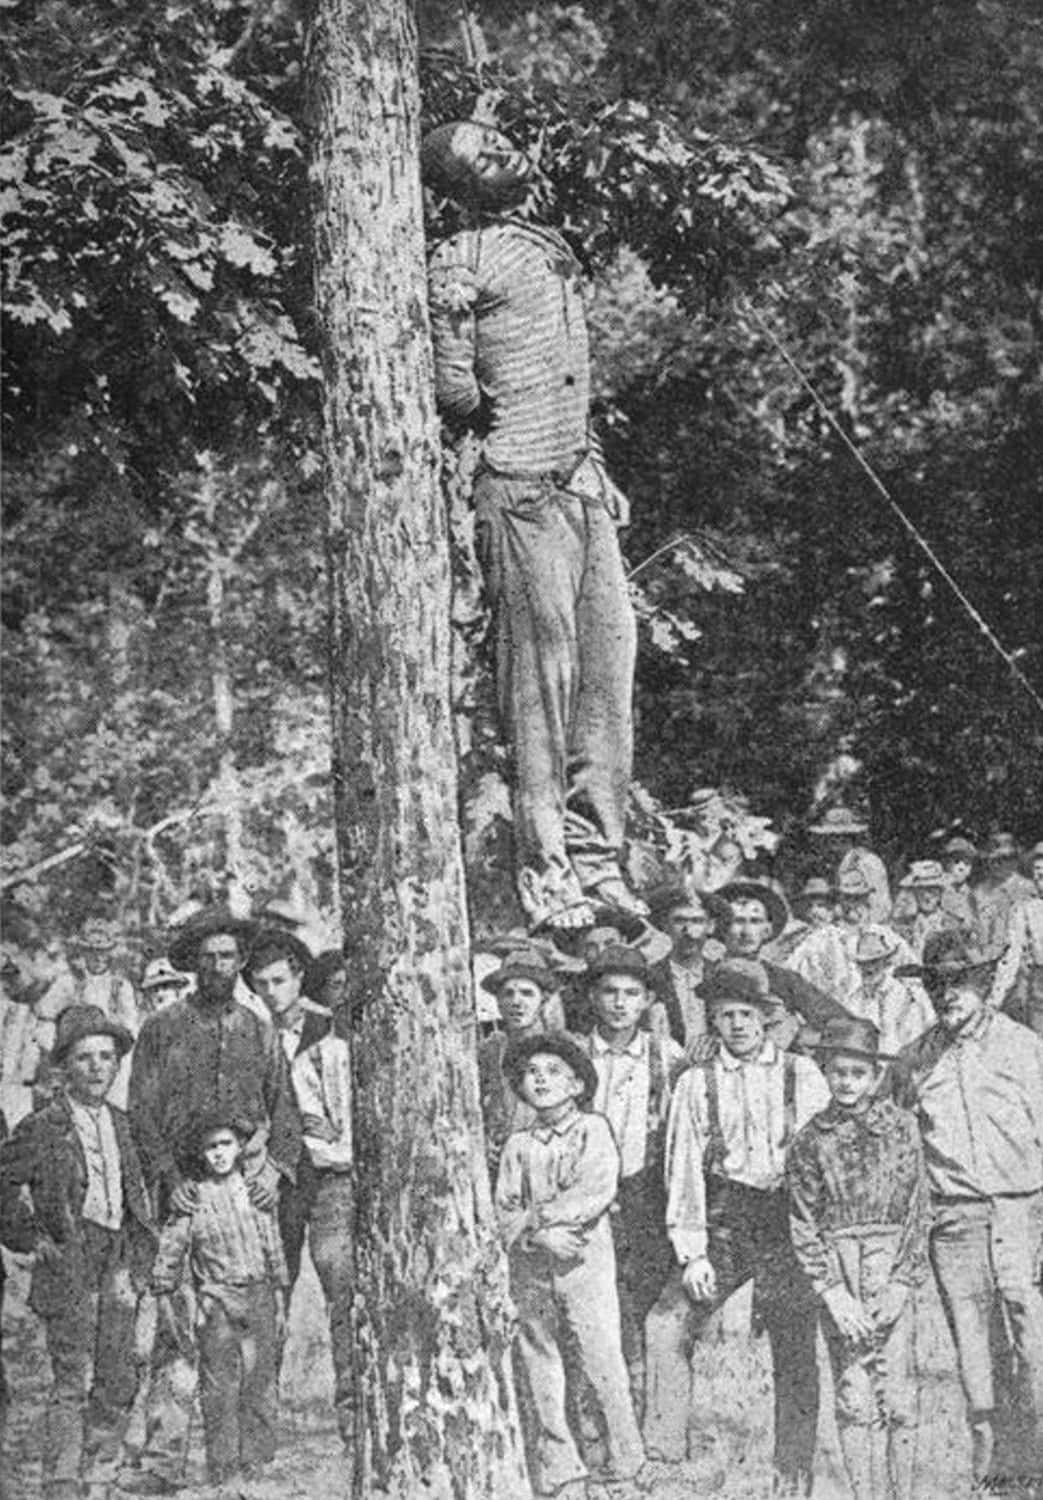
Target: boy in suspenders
[731, 1121]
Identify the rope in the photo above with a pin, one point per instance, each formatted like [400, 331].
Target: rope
[896, 510]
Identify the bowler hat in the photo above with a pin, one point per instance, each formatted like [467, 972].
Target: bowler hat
[874, 944]
[948, 954]
[923, 874]
[816, 888]
[523, 963]
[839, 820]
[78, 1021]
[277, 942]
[960, 848]
[211, 922]
[1000, 846]
[160, 972]
[618, 958]
[518, 1055]
[98, 934]
[738, 979]
[758, 890]
[852, 1036]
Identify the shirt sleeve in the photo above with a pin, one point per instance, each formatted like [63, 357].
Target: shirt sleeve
[155, 1146]
[815, 1254]
[589, 1186]
[19, 1230]
[910, 1265]
[686, 1142]
[511, 1211]
[175, 1241]
[452, 294]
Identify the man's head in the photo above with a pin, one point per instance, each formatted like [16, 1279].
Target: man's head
[957, 979]
[685, 917]
[87, 1048]
[875, 954]
[739, 1001]
[550, 1071]
[326, 982]
[815, 903]
[521, 985]
[1000, 856]
[848, 1052]
[96, 944]
[620, 990]
[475, 165]
[854, 898]
[214, 944]
[755, 913]
[926, 880]
[275, 971]
[958, 857]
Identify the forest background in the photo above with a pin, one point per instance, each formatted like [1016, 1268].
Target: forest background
[864, 181]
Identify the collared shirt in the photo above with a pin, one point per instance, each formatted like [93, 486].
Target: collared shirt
[979, 1100]
[898, 1008]
[685, 983]
[565, 1173]
[853, 1173]
[224, 1241]
[192, 1059]
[103, 1203]
[322, 1084]
[751, 1095]
[625, 1088]
[510, 336]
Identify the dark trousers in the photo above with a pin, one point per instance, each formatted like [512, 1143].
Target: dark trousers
[748, 1238]
[644, 1261]
[332, 1224]
[294, 1211]
[90, 1343]
[238, 1350]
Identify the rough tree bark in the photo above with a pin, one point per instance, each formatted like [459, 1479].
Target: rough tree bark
[437, 1411]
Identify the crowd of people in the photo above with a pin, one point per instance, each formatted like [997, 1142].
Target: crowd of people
[832, 1096]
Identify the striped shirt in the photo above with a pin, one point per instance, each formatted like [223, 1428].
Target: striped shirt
[510, 344]
[224, 1241]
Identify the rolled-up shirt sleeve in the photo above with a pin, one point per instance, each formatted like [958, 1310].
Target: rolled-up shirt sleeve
[686, 1141]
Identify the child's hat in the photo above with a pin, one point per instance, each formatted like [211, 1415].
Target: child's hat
[79, 1021]
[851, 1036]
[518, 1055]
[522, 963]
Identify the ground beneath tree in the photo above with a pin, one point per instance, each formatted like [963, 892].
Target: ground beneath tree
[731, 1438]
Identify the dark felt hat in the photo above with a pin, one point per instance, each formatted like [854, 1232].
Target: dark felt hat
[960, 848]
[184, 943]
[947, 955]
[758, 890]
[738, 979]
[557, 1044]
[271, 938]
[852, 1036]
[674, 895]
[815, 888]
[618, 958]
[78, 1021]
[523, 963]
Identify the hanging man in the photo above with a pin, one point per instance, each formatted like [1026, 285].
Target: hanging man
[511, 361]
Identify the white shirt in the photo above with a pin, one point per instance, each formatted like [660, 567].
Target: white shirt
[103, 1203]
[751, 1094]
[899, 1010]
[624, 1090]
[322, 1083]
[693, 1006]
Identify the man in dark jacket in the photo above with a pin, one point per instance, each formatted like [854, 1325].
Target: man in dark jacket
[72, 1195]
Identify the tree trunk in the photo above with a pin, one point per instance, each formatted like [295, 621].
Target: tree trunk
[437, 1415]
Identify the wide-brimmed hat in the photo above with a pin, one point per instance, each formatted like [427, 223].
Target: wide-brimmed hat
[160, 972]
[98, 934]
[960, 848]
[183, 949]
[523, 963]
[947, 955]
[557, 1044]
[738, 979]
[839, 820]
[283, 914]
[773, 901]
[816, 888]
[1000, 846]
[875, 944]
[853, 883]
[78, 1021]
[280, 940]
[852, 1036]
[923, 874]
[619, 958]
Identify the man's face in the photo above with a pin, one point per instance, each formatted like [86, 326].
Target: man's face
[740, 1026]
[1037, 873]
[928, 899]
[95, 960]
[520, 1002]
[279, 986]
[855, 910]
[749, 928]
[959, 871]
[874, 973]
[851, 1079]
[220, 1151]
[217, 967]
[688, 927]
[619, 1001]
[548, 1082]
[820, 912]
[90, 1068]
[335, 989]
[959, 1002]
[495, 165]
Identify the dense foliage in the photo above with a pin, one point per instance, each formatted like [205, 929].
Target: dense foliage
[865, 182]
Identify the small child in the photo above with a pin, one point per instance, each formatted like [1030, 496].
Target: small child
[558, 1178]
[858, 1219]
[233, 1254]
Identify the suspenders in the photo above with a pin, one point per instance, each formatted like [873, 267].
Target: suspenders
[713, 1160]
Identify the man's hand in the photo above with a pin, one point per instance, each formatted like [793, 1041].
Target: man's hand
[263, 1186]
[559, 1240]
[184, 1196]
[888, 1305]
[700, 1280]
[318, 1128]
[848, 1313]
[47, 1252]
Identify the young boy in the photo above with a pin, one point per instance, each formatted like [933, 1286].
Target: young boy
[858, 1220]
[522, 984]
[72, 1195]
[232, 1252]
[558, 1178]
[636, 1069]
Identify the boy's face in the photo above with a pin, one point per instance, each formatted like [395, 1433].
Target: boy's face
[91, 1065]
[619, 1001]
[820, 912]
[740, 1027]
[928, 898]
[851, 1079]
[279, 986]
[548, 1082]
[220, 1151]
[520, 1002]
